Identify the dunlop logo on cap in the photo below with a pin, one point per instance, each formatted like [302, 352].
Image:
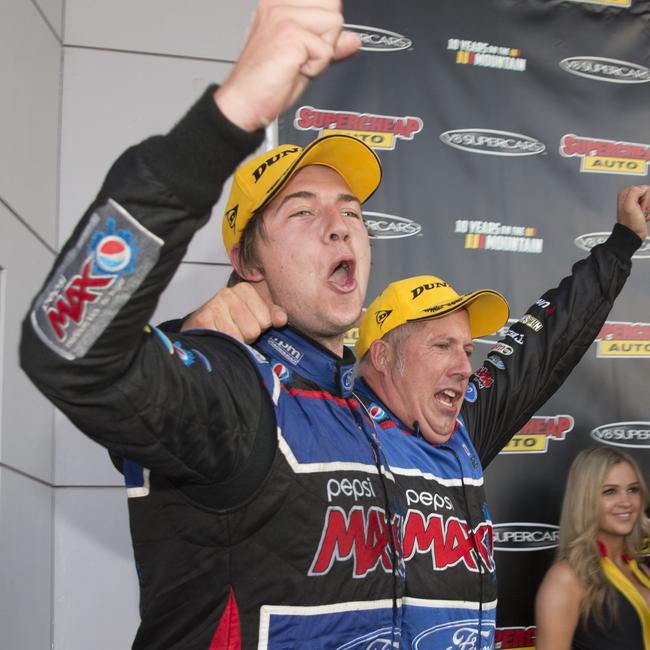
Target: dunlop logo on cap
[381, 316]
[231, 216]
[427, 287]
[259, 171]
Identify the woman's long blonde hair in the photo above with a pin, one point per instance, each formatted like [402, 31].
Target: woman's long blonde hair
[579, 527]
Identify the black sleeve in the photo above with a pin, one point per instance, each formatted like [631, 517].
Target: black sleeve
[84, 343]
[540, 350]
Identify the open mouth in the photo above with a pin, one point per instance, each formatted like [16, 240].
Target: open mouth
[341, 275]
[448, 397]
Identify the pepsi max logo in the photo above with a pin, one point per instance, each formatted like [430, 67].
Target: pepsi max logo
[471, 393]
[281, 371]
[112, 254]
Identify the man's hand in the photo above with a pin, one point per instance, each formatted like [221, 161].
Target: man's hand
[239, 312]
[289, 42]
[634, 209]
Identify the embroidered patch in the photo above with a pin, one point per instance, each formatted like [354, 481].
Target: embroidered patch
[94, 280]
[186, 356]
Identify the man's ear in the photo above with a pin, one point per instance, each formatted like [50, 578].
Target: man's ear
[381, 356]
[244, 272]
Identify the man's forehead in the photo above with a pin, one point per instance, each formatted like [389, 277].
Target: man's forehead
[317, 179]
[455, 325]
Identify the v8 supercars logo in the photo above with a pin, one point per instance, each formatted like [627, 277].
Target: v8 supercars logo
[535, 434]
[525, 536]
[606, 156]
[601, 69]
[624, 434]
[377, 131]
[624, 340]
[493, 143]
[387, 226]
[374, 39]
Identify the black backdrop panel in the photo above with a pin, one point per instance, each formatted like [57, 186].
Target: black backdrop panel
[505, 129]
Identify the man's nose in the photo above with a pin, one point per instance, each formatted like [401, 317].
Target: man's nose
[338, 227]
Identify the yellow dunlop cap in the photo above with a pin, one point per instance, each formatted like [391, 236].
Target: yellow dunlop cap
[257, 181]
[425, 297]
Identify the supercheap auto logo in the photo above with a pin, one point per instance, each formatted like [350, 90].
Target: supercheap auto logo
[587, 241]
[533, 437]
[377, 131]
[486, 55]
[624, 340]
[522, 638]
[495, 236]
[609, 3]
[606, 156]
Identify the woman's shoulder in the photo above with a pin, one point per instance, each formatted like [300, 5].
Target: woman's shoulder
[562, 576]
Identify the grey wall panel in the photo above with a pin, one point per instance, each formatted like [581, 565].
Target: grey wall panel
[193, 285]
[95, 584]
[53, 13]
[26, 564]
[112, 100]
[26, 429]
[29, 114]
[201, 28]
[78, 460]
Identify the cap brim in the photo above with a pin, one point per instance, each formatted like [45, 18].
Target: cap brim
[355, 161]
[488, 311]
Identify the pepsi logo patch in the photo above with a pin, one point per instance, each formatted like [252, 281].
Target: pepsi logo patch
[281, 371]
[377, 413]
[94, 280]
[471, 393]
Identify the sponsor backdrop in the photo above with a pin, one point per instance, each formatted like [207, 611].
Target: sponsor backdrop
[505, 129]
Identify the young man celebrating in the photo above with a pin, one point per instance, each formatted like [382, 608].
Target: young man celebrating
[260, 502]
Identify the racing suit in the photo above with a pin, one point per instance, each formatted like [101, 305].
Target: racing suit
[259, 489]
[259, 496]
[451, 591]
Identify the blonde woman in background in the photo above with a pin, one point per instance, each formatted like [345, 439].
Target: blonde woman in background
[595, 596]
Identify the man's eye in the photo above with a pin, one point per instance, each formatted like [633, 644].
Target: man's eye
[351, 213]
[301, 213]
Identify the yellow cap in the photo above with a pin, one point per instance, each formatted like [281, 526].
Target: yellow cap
[425, 297]
[256, 182]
